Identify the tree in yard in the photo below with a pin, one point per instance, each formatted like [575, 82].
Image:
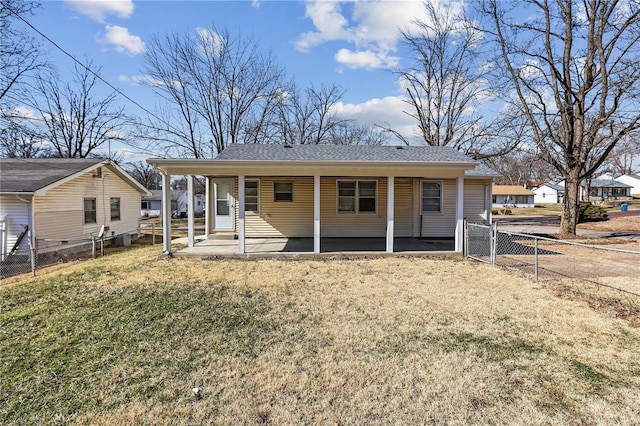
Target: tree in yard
[144, 173]
[572, 69]
[17, 141]
[447, 84]
[220, 87]
[76, 120]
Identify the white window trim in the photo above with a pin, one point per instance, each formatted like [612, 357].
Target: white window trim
[357, 197]
[274, 191]
[245, 197]
[422, 182]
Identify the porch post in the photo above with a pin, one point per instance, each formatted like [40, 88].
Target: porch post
[166, 213]
[208, 205]
[316, 214]
[190, 212]
[459, 239]
[241, 214]
[390, 210]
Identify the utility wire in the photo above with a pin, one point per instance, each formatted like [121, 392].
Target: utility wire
[98, 76]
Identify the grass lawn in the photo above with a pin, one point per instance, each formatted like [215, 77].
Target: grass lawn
[123, 340]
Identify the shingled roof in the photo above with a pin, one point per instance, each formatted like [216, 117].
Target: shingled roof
[31, 174]
[336, 153]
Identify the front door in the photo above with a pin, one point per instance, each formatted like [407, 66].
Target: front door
[223, 215]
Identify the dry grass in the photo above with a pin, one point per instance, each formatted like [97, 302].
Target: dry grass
[123, 339]
[617, 224]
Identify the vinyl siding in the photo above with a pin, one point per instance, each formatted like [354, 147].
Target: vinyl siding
[475, 202]
[438, 224]
[59, 215]
[16, 213]
[403, 207]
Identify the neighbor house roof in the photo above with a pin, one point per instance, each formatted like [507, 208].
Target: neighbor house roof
[554, 186]
[608, 183]
[32, 175]
[510, 190]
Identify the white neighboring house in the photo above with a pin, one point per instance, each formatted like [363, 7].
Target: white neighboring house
[633, 181]
[607, 189]
[512, 196]
[61, 201]
[151, 205]
[548, 193]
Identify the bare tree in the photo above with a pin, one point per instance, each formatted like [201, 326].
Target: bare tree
[19, 52]
[221, 87]
[521, 166]
[350, 133]
[144, 173]
[625, 158]
[76, 120]
[447, 85]
[573, 70]
[18, 141]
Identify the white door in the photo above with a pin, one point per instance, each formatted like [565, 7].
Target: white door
[223, 215]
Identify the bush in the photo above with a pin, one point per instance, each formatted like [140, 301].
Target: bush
[501, 211]
[590, 212]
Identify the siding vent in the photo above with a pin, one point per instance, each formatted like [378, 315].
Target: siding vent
[288, 146]
[399, 147]
[97, 173]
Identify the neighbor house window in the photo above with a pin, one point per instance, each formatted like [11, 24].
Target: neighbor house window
[431, 197]
[252, 196]
[89, 210]
[357, 196]
[146, 205]
[115, 208]
[283, 191]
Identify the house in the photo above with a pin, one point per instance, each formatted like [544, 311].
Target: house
[548, 193]
[633, 181]
[314, 191]
[607, 189]
[512, 196]
[151, 205]
[58, 200]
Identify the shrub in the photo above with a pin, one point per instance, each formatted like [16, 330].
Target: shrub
[590, 212]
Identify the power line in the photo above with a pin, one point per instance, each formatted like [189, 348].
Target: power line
[98, 76]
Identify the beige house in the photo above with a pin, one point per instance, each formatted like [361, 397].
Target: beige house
[61, 201]
[512, 196]
[328, 191]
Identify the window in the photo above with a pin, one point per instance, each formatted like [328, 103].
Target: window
[283, 191]
[431, 197]
[89, 210]
[357, 196]
[146, 205]
[251, 196]
[619, 192]
[115, 208]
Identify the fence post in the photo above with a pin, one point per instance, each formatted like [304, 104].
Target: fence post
[93, 247]
[465, 238]
[153, 233]
[494, 243]
[34, 252]
[535, 258]
[102, 246]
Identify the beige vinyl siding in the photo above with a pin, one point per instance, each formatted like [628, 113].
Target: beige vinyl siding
[437, 224]
[333, 224]
[16, 213]
[281, 219]
[474, 200]
[404, 208]
[59, 214]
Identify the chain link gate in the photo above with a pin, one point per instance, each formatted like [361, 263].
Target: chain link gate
[480, 242]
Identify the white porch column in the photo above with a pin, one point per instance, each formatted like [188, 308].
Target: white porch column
[390, 210]
[459, 214]
[208, 205]
[166, 213]
[316, 214]
[241, 214]
[190, 213]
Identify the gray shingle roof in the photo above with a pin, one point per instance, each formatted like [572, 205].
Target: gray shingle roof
[608, 183]
[481, 171]
[273, 152]
[29, 175]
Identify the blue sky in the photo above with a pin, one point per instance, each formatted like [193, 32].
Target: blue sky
[353, 44]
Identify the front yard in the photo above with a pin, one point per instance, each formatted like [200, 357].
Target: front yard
[123, 339]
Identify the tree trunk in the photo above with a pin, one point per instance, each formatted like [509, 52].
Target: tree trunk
[571, 206]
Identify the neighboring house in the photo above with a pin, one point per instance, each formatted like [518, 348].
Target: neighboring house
[343, 191]
[151, 206]
[68, 200]
[633, 181]
[512, 196]
[548, 193]
[607, 189]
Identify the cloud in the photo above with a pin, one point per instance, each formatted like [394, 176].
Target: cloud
[144, 80]
[122, 40]
[98, 10]
[368, 59]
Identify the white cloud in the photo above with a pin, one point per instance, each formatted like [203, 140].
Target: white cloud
[210, 40]
[386, 112]
[255, 4]
[367, 59]
[122, 40]
[145, 80]
[98, 10]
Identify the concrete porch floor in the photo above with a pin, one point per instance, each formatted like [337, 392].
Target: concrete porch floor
[304, 247]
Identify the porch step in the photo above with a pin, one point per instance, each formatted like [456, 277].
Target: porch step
[223, 235]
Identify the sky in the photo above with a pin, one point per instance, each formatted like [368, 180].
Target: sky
[354, 44]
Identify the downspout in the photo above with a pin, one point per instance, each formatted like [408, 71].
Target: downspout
[31, 223]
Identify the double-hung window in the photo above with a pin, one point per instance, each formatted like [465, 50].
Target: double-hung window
[252, 196]
[357, 196]
[283, 191]
[90, 210]
[115, 208]
[431, 197]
